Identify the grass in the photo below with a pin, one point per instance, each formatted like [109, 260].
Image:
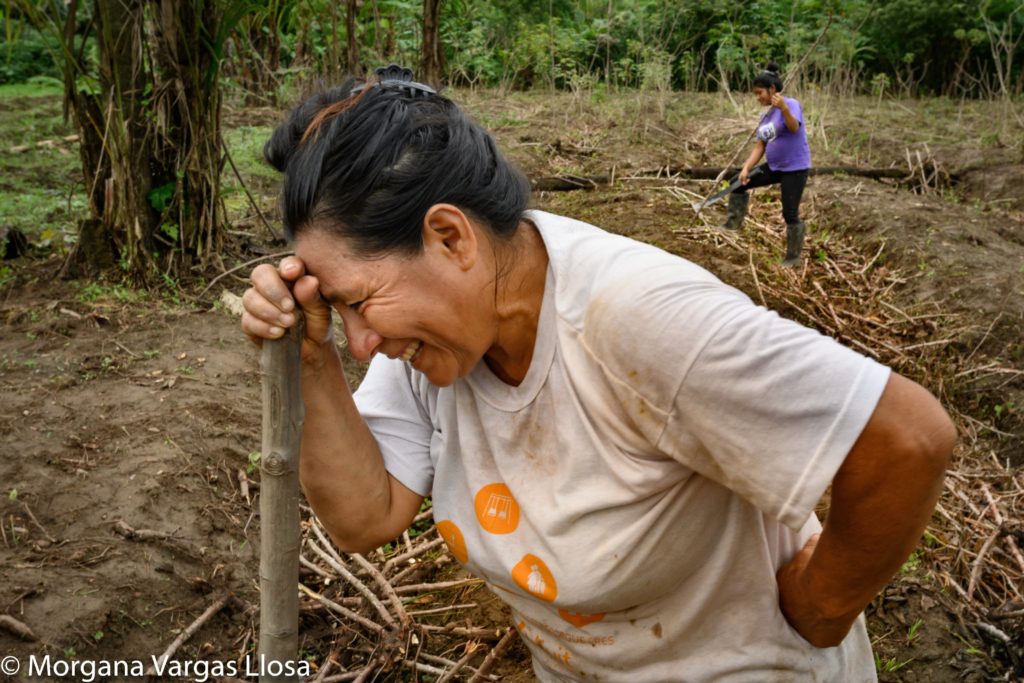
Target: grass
[246, 146]
[40, 188]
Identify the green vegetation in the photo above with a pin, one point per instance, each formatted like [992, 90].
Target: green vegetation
[40, 170]
[873, 47]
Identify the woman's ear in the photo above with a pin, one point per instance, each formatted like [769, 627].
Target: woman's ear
[449, 234]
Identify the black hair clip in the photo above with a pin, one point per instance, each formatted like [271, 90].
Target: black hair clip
[400, 77]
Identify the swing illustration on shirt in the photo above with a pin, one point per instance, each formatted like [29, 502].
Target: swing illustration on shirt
[496, 509]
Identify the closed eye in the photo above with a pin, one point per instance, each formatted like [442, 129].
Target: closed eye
[356, 305]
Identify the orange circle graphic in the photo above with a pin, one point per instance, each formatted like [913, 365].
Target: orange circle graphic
[496, 509]
[453, 537]
[580, 620]
[534, 577]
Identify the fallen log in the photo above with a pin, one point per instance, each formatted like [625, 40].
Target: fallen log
[568, 183]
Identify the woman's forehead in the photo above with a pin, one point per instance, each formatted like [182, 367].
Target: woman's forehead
[344, 274]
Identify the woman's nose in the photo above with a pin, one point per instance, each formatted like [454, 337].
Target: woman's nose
[362, 340]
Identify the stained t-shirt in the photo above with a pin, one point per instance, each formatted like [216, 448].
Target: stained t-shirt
[633, 497]
[785, 150]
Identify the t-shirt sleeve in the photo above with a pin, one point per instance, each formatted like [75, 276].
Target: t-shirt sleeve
[775, 408]
[796, 110]
[393, 410]
[760, 404]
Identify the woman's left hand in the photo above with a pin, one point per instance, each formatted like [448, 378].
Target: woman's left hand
[802, 608]
[779, 102]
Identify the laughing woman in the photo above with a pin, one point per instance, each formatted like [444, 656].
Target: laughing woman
[626, 449]
[782, 141]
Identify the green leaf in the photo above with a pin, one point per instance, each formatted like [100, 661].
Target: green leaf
[159, 197]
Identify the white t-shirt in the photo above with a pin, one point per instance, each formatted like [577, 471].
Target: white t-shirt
[633, 497]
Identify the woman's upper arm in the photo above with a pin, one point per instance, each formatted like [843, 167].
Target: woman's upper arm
[908, 434]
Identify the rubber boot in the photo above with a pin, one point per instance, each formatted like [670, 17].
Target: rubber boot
[794, 244]
[738, 202]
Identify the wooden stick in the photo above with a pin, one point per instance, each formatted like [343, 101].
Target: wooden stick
[493, 655]
[343, 572]
[279, 501]
[441, 585]
[979, 561]
[217, 606]
[405, 557]
[12, 625]
[450, 673]
[386, 588]
[39, 526]
[342, 610]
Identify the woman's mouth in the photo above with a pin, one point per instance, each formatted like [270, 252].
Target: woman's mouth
[411, 350]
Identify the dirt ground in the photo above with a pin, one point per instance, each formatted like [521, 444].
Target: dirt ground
[124, 411]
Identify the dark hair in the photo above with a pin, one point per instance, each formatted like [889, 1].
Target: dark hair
[769, 77]
[367, 163]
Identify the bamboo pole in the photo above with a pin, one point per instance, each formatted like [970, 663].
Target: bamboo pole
[279, 507]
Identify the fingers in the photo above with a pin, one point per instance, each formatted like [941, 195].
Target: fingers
[292, 268]
[268, 282]
[262, 317]
[316, 310]
[269, 307]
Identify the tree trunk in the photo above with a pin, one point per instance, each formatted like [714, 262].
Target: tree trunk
[94, 250]
[186, 76]
[127, 215]
[431, 57]
[150, 139]
[352, 47]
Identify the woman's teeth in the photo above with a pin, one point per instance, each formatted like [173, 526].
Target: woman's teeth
[411, 350]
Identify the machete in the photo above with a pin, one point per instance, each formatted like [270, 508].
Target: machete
[719, 196]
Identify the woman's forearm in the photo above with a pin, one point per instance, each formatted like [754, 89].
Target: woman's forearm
[755, 156]
[341, 468]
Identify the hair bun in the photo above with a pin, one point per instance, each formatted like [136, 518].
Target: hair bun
[772, 67]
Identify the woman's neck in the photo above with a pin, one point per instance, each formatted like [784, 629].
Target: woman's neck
[518, 300]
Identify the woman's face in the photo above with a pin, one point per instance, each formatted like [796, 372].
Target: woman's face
[763, 95]
[427, 310]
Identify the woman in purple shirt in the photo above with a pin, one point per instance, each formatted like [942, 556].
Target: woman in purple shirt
[782, 139]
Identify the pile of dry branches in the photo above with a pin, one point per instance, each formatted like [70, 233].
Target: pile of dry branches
[976, 538]
[379, 606]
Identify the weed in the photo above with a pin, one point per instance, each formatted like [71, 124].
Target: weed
[889, 664]
[12, 494]
[1000, 408]
[151, 354]
[914, 629]
[912, 564]
[95, 291]
[254, 462]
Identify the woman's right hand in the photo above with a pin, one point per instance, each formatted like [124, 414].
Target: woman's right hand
[744, 175]
[278, 297]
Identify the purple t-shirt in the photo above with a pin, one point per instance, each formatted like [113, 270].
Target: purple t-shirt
[785, 151]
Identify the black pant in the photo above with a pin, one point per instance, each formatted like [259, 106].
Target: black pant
[792, 183]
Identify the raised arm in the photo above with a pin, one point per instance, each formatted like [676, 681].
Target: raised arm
[882, 498]
[341, 468]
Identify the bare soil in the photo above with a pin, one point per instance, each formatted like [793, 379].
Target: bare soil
[120, 408]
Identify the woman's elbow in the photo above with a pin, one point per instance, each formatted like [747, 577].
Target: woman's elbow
[934, 440]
